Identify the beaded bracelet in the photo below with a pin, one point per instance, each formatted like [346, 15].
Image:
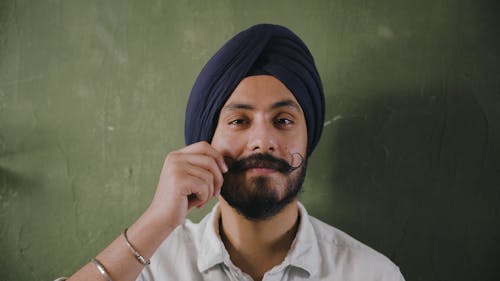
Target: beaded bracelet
[136, 254]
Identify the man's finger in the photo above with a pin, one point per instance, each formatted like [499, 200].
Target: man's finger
[205, 148]
[207, 163]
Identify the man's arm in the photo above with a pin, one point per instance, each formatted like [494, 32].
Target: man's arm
[190, 177]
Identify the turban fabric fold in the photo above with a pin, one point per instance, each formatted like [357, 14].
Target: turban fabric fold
[261, 49]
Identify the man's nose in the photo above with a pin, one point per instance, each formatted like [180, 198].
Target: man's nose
[262, 138]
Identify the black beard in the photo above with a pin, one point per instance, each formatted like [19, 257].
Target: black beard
[258, 199]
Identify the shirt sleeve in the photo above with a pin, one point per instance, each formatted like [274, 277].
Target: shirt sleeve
[145, 275]
[399, 275]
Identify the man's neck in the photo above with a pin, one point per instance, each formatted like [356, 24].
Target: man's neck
[257, 246]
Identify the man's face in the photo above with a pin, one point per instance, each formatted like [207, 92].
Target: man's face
[262, 134]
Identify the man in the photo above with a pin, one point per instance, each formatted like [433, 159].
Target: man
[254, 116]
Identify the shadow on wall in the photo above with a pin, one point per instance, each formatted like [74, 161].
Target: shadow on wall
[421, 186]
[414, 152]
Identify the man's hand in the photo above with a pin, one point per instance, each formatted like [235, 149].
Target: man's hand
[190, 177]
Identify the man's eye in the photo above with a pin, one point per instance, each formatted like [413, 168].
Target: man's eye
[237, 122]
[283, 122]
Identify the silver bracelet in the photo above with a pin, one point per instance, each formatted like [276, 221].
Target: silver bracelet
[101, 269]
[137, 255]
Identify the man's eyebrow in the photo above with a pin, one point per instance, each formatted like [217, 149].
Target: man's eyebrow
[283, 103]
[233, 106]
[287, 103]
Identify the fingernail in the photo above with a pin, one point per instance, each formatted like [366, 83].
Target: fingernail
[227, 163]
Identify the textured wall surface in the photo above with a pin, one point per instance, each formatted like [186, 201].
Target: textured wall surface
[92, 97]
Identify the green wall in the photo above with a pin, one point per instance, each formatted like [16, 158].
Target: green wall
[92, 97]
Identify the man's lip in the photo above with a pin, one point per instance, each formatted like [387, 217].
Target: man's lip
[261, 170]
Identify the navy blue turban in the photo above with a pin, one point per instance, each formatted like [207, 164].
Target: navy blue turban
[261, 49]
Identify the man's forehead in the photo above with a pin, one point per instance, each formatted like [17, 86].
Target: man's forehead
[261, 91]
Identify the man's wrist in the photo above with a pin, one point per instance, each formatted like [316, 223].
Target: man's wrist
[158, 222]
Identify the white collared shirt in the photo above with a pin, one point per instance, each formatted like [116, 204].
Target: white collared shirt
[319, 252]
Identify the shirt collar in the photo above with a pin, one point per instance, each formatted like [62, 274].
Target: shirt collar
[212, 250]
[303, 253]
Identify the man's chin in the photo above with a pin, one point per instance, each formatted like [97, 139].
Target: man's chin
[261, 197]
[261, 204]
[260, 211]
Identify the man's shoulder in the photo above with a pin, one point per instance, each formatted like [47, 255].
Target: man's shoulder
[182, 244]
[345, 250]
[188, 232]
[180, 250]
[335, 237]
